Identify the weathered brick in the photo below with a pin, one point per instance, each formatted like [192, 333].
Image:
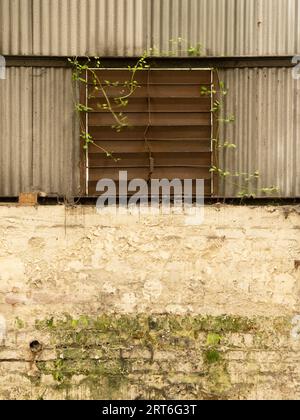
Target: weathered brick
[133, 307]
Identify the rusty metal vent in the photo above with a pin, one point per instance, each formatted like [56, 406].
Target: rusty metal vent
[169, 133]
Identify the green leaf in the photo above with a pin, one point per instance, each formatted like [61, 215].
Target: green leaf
[213, 339]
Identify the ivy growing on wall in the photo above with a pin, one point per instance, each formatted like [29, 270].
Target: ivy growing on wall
[245, 182]
[87, 74]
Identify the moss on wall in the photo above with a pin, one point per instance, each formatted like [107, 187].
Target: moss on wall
[122, 356]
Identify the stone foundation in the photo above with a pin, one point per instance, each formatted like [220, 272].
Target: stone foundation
[103, 306]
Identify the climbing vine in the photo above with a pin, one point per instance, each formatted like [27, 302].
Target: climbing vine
[246, 182]
[87, 74]
[178, 46]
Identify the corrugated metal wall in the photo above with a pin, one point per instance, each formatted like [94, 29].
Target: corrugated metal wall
[89, 27]
[39, 144]
[16, 33]
[266, 105]
[55, 133]
[227, 27]
[129, 27]
[73, 27]
[16, 131]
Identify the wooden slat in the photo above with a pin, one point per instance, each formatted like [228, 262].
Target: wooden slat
[158, 173]
[142, 160]
[153, 133]
[142, 119]
[93, 192]
[139, 146]
[174, 77]
[167, 116]
[180, 76]
[157, 105]
[163, 91]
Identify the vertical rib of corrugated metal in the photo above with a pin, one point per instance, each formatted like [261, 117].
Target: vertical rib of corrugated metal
[16, 27]
[128, 27]
[39, 139]
[226, 28]
[278, 27]
[178, 25]
[266, 105]
[56, 133]
[16, 131]
[89, 28]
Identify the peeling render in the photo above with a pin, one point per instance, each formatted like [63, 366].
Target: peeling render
[120, 307]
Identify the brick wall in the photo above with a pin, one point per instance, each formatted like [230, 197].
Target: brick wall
[105, 306]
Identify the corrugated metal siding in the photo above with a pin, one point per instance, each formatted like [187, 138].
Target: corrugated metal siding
[16, 27]
[39, 137]
[55, 133]
[16, 131]
[37, 121]
[128, 27]
[89, 27]
[266, 104]
[227, 27]
[208, 22]
[279, 27]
